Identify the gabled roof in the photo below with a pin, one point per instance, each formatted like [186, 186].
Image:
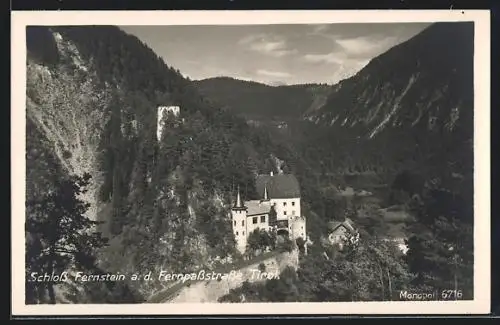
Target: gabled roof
[347, 223]
[256, 207]
[280, 186]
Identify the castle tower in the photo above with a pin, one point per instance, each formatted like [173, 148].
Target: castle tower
[298, 227]
[298, 230]
[239, 216]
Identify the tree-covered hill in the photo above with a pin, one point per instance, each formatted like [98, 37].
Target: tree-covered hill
[406, 122]
[262, 102]
[411, 107]
[92, 98]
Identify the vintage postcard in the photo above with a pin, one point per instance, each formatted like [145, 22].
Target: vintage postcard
[260, 162]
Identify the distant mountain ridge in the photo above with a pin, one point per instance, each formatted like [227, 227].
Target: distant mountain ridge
[426, 82]
[259, 101]
[411, 107]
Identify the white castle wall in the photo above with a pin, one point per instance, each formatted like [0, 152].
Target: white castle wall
[298, 227]
[259, 225]
[240, 229]
[285, 208]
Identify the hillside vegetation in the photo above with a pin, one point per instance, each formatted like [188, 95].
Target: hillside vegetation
[104, 195]
[402, 128]
[262, 102]
[92, 95]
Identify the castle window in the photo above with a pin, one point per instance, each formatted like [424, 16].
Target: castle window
[284, 213]
[235, 222]
[293, 212]
[302, 227]
[284, 204]
[262, 218]
[243, 233]
[293, 203]
[236, 233]
[242, 223]
[254, 220]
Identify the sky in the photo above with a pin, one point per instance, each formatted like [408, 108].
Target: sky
[273, 54]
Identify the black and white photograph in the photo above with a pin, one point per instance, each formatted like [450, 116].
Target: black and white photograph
[230, 164]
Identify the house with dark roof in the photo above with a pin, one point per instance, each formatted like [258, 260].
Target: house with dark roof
[340, 231]
[279, 193]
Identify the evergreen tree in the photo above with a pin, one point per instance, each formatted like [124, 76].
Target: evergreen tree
[259, 240]
[60, 236]
[441, 248]
[370, 270]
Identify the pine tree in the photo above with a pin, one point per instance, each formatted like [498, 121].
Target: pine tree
[60, 235]
[441, 249]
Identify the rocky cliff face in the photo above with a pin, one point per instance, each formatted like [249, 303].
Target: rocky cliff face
[67, 107]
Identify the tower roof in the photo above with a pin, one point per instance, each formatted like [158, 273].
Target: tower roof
[281, 186]
[266, 197]
[238, 205]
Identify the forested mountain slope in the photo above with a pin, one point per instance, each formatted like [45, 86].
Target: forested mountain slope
[412, 106]
[92, 98]
[406, 120]
[261, 102]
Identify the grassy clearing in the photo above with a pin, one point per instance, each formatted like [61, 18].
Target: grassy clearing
[396, 218]
[395, 214]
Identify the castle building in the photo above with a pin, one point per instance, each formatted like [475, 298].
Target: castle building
[280, 193]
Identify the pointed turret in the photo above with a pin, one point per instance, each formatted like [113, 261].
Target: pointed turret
[239, 223]
[238, 204]
[238, 200]
[266, 196]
